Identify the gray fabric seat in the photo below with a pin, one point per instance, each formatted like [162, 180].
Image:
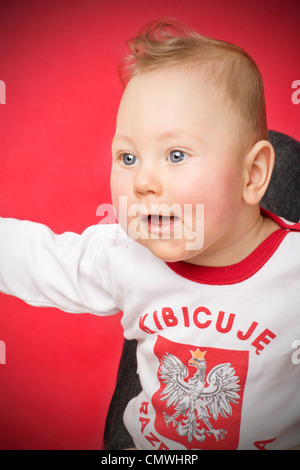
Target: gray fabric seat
[283, 194]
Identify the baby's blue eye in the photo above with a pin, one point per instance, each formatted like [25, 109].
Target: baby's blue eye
[128, 159]
[177, 156]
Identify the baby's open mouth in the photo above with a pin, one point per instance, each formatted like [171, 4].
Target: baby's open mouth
[157, 223]
[160, 219]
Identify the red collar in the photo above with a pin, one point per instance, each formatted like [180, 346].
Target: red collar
[244, 269]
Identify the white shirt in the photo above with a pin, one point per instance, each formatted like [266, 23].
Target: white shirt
[218, 348]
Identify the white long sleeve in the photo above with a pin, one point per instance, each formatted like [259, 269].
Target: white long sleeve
[63, 271]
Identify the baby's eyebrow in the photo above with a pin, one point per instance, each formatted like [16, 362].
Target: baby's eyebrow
[166, 135]
[181, 134]
[170, 134]
[122, 138]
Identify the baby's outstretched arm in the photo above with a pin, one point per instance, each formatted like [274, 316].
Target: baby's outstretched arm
[45, 269]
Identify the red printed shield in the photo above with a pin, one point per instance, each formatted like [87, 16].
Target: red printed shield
[200, 398]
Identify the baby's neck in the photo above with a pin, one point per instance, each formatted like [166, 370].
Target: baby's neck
[250, 238]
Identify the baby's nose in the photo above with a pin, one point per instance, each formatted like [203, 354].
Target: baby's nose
[147, 180]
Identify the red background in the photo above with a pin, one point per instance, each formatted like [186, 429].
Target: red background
[58, 60]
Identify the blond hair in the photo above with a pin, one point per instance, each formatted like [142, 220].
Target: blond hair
[167, 42]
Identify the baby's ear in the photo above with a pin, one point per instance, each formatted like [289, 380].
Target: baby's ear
[259, 163]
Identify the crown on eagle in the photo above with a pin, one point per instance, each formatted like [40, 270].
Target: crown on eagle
[198, 354]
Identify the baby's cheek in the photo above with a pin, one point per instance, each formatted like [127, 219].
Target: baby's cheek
[118, 189]
[121, 195]
[213, 190]
[210, 207]
[192, 194]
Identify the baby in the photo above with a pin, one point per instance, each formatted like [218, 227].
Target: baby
[207, 281]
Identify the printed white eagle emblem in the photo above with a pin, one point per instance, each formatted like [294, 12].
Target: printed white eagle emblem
[198, 397]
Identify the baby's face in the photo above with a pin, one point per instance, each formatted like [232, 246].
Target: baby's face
[175, 154]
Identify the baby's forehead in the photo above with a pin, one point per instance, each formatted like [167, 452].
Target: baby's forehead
[174, 106]
[173, 94]
[181, 77]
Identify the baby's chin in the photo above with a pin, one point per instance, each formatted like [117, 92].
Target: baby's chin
[170, 251]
